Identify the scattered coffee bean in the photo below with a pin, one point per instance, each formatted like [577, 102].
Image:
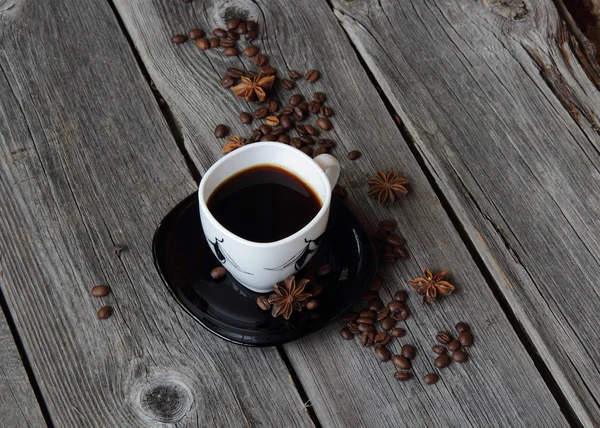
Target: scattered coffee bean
[242, 28]
[401, 296]
[304, 106]
[307, 140]
[365, 320]
[403, 376]
[431, 378]
[251, 35]
[349, 317]
[218, 272]
[460, 356]
[367, 313]
[296, 99]
[263, 303]
[375, 304]
[353, 327]
[398, 332]
[395, 305]
[320, 151]
[324, 124]
[251, 75]
[442, 361]
[366, 327]
[104, 312]
[387, 225]
[462, 326]
[272, 120]
[260, 60]
[270, 137]
[312, 304]
[264, 129]
[401, 362]
[285, 122]
[395, 240]
[100, 290]
[453, 345]
[312, 75]
[324, 270]
[267, 70]
[250, 51]
[299, 114]
[203, 44]
[252, 25]
[439, 349]
[296, 142]
[409, 351]
[443, 337]
[287, 84]
[382, 338]
[354, 154]
[215, 43]
[227, 43]
[260, 113]
[227, 82]
[346, 334]
[314, 107]
[383, 353]
[221, 131]
[382, 314]
[327, 143]
[178, 39]
[312, 130]
[319, 97]
[401, 253]
[195, 33]
[294, 75]
[236, 73]
[466, 338]
[245, 118]
[233, 35]
[230, 51]
[220, 33]
[272, 106]
[326, 111]
[388, 323]
[367, 338]
[233, 23]
[400, 314]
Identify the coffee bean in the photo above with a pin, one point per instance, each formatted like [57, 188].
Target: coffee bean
[269, 137]
[230, 51]
[442, 361]
[233, 35]
[354, 154]
[268, 70]
[367, 313]
[218, 272]
[409, 351]
[327, 143]
[403, 376]
[314, 107]
[383, 353]
[312, 304]
[272, 120]
[460, 356]
[454, 345]
[294, 75]
[466, 338]
[104, 312]
[227, 43]
[260, 60]
[264, 129]
[382, 338]
[251, 35]
[100, 290]
[236, 73]
[353, 327]
[220, 33]
[312, 75]
[326, 111]
[251, 75]
[221, 131]
[260, 113]
[401, 362]
[375, 285]
[346, 334]
[383, 314]
[285, 122]
[309, 141]
[256, 133]
[301, 129]
[296, 99]
[324, 270]
[304, 106]
[387, 225]
[263, 303]
[462, 326]
[366, 339]
[400, 314]
[315, 289]
[296, 142]
[195, 33]
[401, 253]
[319, 97]
[299, 114]
[320, 151]
[278, 131]
[398, 332]
[215, 43]
[252, 25]
[233, 23]
[178, 39]
[431, 378]
[287, 110]
[388, 323]
[287, 84]
[202, 44]
[364, 320]
[395, 240]
[312, 130]
[245, 118]
[349, 317]
[307, 150]
[250, 51]
[395, 305]
[272, 106]
[438, 349]
[401, 296]
[375, 304]
[443, 337]
[324, 124]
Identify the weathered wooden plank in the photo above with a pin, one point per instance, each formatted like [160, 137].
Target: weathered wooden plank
[86, 162]
[345, 384]
[18, 405]
[502, 105]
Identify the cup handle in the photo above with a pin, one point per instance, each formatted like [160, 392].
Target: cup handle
[330, 166]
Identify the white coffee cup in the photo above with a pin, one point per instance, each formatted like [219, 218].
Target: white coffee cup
[259, 266]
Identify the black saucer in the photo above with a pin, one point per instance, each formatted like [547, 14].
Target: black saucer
[228, 309]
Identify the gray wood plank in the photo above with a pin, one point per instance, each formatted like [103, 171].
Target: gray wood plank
[501, 102]
[345, 384]
[86, 162]
[18, 404]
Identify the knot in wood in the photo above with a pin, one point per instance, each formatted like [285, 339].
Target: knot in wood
[515, 10]
[244, 10]
[165, 400]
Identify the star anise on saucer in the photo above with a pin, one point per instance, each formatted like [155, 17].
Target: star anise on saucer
[429, 286]
[254, 90]
[288, 297]
[386, 188]
[233, 143]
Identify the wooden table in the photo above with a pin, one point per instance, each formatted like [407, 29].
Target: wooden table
[489, 108]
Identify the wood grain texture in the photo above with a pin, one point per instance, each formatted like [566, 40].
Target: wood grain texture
[345, 384]
[86, 162]
[18, 404]
[501, 102]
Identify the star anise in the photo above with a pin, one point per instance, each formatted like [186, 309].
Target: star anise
[386, 188]
[288, 297]
[254, 90]
[431, 285]
[233, 143]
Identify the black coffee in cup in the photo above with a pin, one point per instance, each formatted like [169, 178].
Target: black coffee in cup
[264, 203]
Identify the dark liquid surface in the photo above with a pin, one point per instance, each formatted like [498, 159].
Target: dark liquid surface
[264, 204]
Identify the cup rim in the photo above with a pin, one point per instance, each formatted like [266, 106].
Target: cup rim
[239, 152]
